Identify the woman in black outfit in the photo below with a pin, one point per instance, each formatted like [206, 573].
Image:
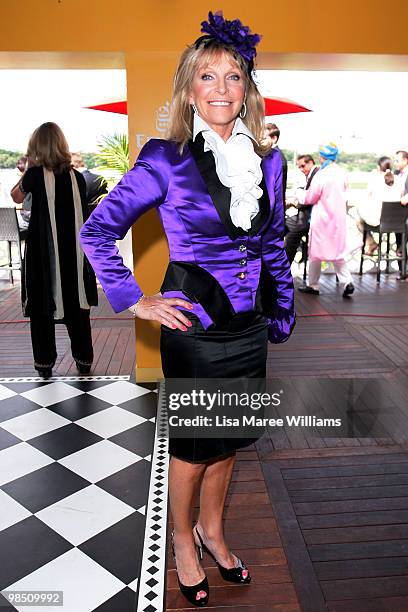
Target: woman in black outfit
[58, 283]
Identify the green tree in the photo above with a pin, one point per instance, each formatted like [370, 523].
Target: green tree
[90, 160]
[363, 162]
[9, 159]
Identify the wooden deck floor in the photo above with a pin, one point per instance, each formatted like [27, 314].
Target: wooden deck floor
[322, 522]
[253, 534]
[336, 336]
[333, 336]
[113, 340]
[343, 523]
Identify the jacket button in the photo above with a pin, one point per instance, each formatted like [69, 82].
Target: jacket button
[242, 275]
[242, 262]
[242, 248]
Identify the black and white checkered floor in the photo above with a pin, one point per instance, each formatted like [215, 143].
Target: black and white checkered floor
[82, 473]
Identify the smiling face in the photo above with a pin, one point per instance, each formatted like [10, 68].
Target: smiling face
[218, 91]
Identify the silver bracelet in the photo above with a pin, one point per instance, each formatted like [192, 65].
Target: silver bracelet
[133, 308]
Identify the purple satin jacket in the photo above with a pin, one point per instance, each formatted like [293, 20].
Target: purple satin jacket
[193, 208]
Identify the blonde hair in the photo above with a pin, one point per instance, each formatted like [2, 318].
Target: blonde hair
[48, 147]
[181, 114]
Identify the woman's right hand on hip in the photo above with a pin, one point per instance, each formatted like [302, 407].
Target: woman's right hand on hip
[158, 308]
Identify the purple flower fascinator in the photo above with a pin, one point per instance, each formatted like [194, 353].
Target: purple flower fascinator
[231, 33]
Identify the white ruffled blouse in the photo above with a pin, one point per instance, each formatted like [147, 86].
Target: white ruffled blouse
[238, 168]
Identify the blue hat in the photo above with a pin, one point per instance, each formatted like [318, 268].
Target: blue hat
[329, 151]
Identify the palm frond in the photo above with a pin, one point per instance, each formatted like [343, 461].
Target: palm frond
[113, 153]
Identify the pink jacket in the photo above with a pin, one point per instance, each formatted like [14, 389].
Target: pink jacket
[328, 225]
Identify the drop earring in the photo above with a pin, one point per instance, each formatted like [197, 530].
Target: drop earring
[193, 106]
[243, 111]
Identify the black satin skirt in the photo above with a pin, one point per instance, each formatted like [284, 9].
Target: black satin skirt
[238, 350]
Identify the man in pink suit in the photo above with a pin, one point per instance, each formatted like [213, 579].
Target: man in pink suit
[328, 225]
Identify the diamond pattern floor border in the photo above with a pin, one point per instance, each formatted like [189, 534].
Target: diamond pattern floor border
[76, 494]
[153, 572]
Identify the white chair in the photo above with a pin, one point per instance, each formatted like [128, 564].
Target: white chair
[10, 232]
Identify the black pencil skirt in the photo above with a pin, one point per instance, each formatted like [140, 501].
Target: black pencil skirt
[238, 350]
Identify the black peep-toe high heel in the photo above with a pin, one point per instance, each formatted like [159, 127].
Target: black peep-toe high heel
[239, 574]
[196, 594]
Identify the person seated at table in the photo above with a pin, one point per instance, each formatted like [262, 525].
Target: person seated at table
[382, 186]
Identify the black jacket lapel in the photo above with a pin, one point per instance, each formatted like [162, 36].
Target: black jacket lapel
[264, 209]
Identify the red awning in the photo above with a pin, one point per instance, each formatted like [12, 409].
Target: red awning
[283, 106]
[273, 106]
[120, 107]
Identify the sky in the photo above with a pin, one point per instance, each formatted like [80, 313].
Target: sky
[360, 111]
[31, 97]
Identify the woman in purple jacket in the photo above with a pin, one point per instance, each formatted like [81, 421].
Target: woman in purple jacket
[228, 286]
